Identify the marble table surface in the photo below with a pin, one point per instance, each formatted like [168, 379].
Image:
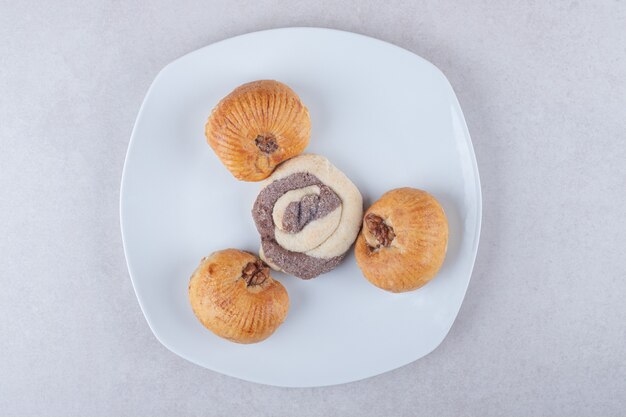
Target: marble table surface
[542, 330]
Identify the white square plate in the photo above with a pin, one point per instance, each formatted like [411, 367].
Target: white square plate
[384, 116]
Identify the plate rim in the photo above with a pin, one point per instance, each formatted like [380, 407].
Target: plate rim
[477, 189]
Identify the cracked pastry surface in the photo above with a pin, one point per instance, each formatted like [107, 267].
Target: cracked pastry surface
[233, 295]
[403, 242]
[256, 127]
[308, 214]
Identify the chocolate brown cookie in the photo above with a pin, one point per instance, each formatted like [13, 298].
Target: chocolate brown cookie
[308, 214]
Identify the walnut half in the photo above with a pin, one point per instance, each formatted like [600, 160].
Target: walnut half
[255, 273]
[383, 233]
[266, 143]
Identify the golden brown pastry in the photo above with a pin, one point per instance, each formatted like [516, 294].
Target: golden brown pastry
[403, 241]
[256, 127]
[234, 296]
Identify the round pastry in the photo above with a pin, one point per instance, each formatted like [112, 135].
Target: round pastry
[403, 241]
[308, 214]
[234, 296]
[256, 127]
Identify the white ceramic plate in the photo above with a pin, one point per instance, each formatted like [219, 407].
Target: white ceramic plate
[384, 116]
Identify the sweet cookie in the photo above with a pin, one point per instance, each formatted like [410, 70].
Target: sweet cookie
[256, 127]
[403, 241]
[234, 296]
[308, 214]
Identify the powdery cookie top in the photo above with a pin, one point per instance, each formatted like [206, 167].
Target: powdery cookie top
[308, 214]
[256, 127]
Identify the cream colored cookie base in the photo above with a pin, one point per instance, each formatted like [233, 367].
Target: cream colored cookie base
[312, 235]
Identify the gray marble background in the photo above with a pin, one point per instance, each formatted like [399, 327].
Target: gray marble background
[542, 330]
